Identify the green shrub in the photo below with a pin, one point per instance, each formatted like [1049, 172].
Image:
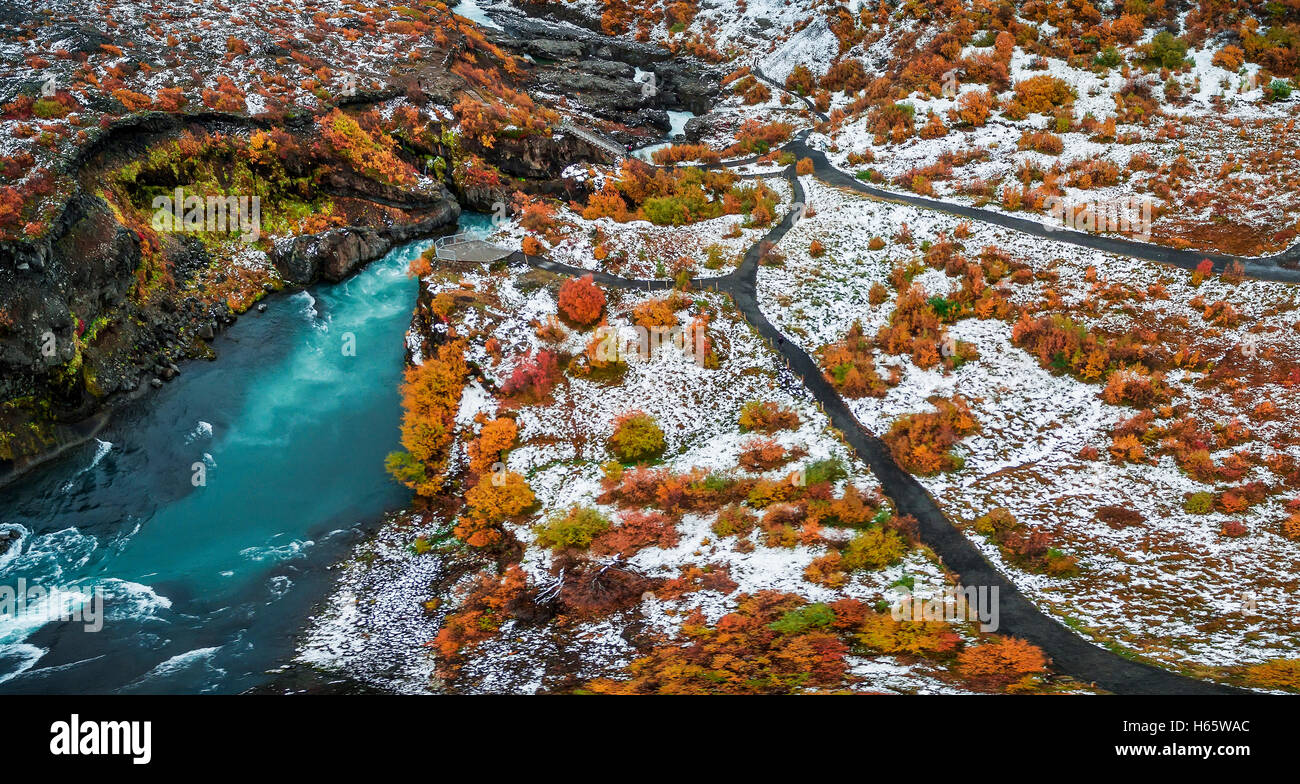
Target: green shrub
[734, 520]
[802, 619]
[832, 469]
[874, 548]
[49, 109]
[636, 437]
[1168, 51]
[574, 528]
[1108, 58]
[612, 470]
[1199, 503]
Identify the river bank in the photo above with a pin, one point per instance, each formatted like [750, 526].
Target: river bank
[209, 513]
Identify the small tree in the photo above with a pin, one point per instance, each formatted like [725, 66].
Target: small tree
[488, 504]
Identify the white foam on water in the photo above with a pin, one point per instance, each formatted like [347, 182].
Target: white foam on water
[102, 449]
[126, 600]
[50, 554]
[178, 664]
[27, 654]
[307, 307]
[471, 10]
[281, 552]
[676, 125]
[279, 585]
[54, 668]
[201, 430]
[677, 122]
[52, 605]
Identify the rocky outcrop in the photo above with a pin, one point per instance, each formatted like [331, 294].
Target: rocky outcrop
[598, 71]
[81, 269]
[535, 165]
[337, 253]
[77, 333]
[331, 255]
[696, 128]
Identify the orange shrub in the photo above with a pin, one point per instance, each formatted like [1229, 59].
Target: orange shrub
[771, 644]
[974, 108]
[654, 313]
[482, 612]
[495, 437]
[1039, 95]
[581, 300]
[1001, 662]
[531, 246]
[490, 503]
[637, 529]
[850, 365]
[430, 399]
[921, 443]
[762, 454]
[371, 154]
[767, 417]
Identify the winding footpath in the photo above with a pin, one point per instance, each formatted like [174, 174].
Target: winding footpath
[1070, 653]
[1282, 267]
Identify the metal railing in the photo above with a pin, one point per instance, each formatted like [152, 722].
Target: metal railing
[466, 246]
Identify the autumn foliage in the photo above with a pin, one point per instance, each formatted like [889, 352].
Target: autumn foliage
[490, 602]
[772, 643]
[581, 300]
[372, 153]
[1001, 663]
[485, 451]
[765, 416]
[533, 378]
[922, 443]
[490, 503]
[430, 398]
[636, 437]
[850, 365]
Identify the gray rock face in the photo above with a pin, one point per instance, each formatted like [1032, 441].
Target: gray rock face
[330, 255]
[607, 68]
[604, 83]
[696, 127]
[551, 49]
[337, 253]
[47, 287]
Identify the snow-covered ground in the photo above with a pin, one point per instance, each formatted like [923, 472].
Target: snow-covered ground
[1173, 588]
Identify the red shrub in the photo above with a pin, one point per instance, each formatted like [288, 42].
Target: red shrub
[533, 378]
